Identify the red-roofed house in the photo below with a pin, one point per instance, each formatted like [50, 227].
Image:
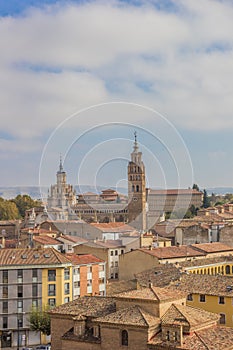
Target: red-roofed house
[89, 275]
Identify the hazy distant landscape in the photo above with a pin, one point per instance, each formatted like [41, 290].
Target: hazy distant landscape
[35, 191]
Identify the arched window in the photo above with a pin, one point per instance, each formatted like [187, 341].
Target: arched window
[137, 188]
[228, 270]
[132, 188]
[168, 335]
[124, 338]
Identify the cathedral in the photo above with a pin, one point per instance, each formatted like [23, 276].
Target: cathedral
[142, 209]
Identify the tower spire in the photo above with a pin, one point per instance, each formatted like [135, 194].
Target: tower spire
[60, 166]
[135, 142]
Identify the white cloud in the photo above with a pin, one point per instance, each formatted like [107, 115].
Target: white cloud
[59, 59]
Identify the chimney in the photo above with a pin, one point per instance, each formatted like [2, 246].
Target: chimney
[150, 284]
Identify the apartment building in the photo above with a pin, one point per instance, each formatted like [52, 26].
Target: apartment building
[30, 278]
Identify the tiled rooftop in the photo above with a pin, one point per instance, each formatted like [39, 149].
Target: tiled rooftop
[72, 239]
[46, 240]
[131, 316]
[152, 293]
[116, 287]
[83, 259]
[212, 247]
[206, 284]
[160, 275]
[87, 306]
[173, 252]
[174, 192]
[187, 316]
[113, 227]
[109, 243]
[212, 338]
[206, 261]
[32, 256]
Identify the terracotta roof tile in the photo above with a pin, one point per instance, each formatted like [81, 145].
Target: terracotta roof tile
[113, 227]
[173, 252]
[212, 247]
[83, 259]
[152, 293]
[32, 256]
[87, 306]
[134, 315]
[206, 284]
[187, 315]
[46, 240]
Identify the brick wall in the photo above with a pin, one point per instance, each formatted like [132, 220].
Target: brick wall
[59, 325]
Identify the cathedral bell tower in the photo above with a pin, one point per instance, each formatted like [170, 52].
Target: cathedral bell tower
[136, 189]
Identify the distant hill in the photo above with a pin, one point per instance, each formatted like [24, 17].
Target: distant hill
[34, 191]
[219, 190]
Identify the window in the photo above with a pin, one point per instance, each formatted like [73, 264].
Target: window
[101, 268]
[116, 252]
[76, 284]
[20, 291]
[112, 264]
[122, 251]
[101, 280]
[76, 271]
[20, 306]
[116, 275]
[89, 283]
[5, 276]
[66, 300]
[20, 321]
[34, 290]
[111, 253]
[34, 303]
[5, 307]
[5, 291]
[202, 298]
[52, 302]
[5, 322]
[51, 289]
[137, 188]
[190, 297]
[51, 275]
[67, 274]
[116, 263]
[228, 270]
[34, 275]
[20, 276]
[69, 247]
[67, 288]
[221, 300]
[89, 269]
[222, 319]
[124, 338]
[168, 335]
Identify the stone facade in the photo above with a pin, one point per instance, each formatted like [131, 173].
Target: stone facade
[149, 318]
[61, 195]
[136, 190]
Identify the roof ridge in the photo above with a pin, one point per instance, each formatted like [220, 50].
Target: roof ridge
[58, 255]
[152, 289]
[201, 340]
[177, 308]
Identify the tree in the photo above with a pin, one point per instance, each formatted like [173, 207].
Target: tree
[25, 202]
[196, 187]
[206, 200]
[8, 210]
[40, 320]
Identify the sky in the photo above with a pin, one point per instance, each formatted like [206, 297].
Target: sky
[78, 78]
